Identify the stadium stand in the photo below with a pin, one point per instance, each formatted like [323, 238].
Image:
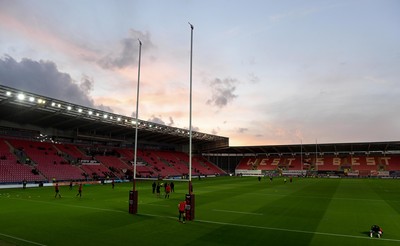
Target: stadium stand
[38, 161]
[115, 164]
[11, 170]
[362, 164]
[164, 169]
[72, 151]
[97, 171]
[47, 160]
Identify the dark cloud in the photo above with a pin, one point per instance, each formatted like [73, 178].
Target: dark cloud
[44, 78]
[171, 121]
[86, 84]
[104, 108]
[156, 119]
[127, 54]
[222, 92]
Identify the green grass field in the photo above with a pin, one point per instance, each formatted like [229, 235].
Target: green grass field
[229, 211]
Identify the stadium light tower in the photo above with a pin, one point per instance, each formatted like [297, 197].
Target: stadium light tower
[133, 195]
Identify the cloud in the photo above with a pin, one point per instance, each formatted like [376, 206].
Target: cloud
[253, 78]
[295, 13]
[44, 78]
[128, 51]
[242, 129]
[156, 120]
[215, 131]
[86, 84]
[171, 121]
[222, 92]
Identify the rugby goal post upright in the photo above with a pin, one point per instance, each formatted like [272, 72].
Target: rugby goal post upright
[133, 194]
[190, 202]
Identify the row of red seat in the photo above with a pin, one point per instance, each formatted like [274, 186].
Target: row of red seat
[323, 163]
[42, 161]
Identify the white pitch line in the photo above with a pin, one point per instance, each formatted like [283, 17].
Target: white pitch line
[282, 229]
[296, 231]
[236, 212]
[152, 204]
[70, 205]
[324, 197]
[21, 239]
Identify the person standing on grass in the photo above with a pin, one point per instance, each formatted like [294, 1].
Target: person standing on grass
[57, 189]
[154, 186]
[167, 190]
[112, 183]
[172, 186]
[70, 185]
[79, 190]
[158, 189]
[182, 209]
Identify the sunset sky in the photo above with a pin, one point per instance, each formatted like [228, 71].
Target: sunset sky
[264, 72]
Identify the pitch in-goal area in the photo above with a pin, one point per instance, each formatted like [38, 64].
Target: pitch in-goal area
[228, 211]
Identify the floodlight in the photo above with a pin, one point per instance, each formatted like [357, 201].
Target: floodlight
[31, 99]
[69, 107]
[105, 116]
[80, 110]
[21, 97]
[90, 112]
[53, 104]
[118, 119]
[8, 93]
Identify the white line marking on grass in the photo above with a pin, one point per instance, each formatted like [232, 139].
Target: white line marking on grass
[297, 231]
[151, 204]
[324, 197]
[94, 208]
[21, 239]
[281, 229]
[236, 212]
[70, 205]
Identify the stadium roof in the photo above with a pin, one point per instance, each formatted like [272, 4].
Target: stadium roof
[25, 108]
